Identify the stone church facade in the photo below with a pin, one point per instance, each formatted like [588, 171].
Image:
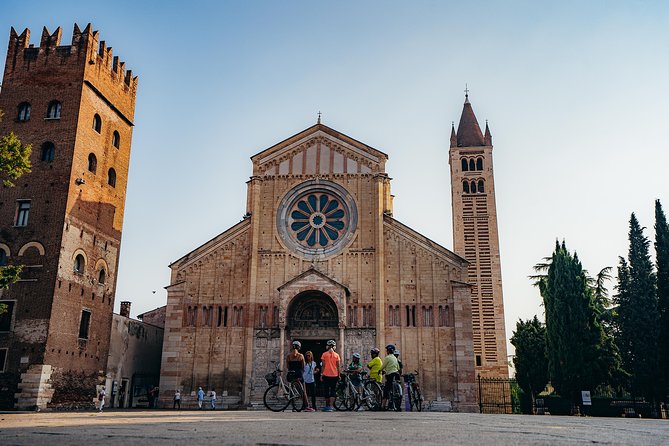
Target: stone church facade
[317, 256]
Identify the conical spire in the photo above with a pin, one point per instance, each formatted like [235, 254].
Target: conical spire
[487, 138]
[454, 138]
[469, 133]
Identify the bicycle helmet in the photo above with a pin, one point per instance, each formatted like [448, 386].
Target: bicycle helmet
[297, 344]
[331, 343]
[375, 350]
[396, 352]
[356, 355]
[390, 347]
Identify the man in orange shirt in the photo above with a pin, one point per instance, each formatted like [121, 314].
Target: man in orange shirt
[330, 373]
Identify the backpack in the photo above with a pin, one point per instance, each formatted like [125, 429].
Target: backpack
[101, 396]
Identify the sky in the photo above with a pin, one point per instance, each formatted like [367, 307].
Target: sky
[575, 94]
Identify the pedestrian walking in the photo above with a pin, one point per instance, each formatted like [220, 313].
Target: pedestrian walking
[212, 395]
[101, 398]
[200, 397]
[177, 400]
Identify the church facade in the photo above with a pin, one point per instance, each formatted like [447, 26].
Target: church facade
[318, 256]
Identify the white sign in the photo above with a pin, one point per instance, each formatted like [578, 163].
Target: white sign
[585, 396]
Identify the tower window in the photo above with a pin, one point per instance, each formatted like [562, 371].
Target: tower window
[24, 112]
[97, 123]
[48, 152]
[92, 163]
[6, 317]
[465, 165]
[79, 264]
[84, 324]
[116, 139]
[102, 276]
[472, 166]
[472, 187]
[22, 212]
[479, 164]
[53, 110]
[478, 360]
[111, 177]
[481, 188]
[465, 187]
[3, 257]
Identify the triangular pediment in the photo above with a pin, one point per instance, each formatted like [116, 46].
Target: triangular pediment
[312, 275]
[319, 150]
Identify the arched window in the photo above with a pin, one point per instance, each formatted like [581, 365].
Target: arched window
[97, 123]
[111, 177]
[479, 164]
[3, 257]
[472, 165]
[116, 139]
[481, 188]
[472, 187]
[48, 152]
[24, 111]
[465, 166]
[53, 110]
[465, 187]
[102, 276]
[79, 264]
[92, 163]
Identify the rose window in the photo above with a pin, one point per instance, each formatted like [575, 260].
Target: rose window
[317, 220]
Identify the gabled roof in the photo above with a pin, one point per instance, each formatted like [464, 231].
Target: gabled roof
[469, 133]
[314, 129]
[314, 271]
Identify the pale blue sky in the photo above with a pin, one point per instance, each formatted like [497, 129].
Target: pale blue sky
[576, 94]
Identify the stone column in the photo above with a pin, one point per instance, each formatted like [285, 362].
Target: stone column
[463, 346]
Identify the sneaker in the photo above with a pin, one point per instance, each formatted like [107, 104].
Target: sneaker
[309, 409]
[327, 409]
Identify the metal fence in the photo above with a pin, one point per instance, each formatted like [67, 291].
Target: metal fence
[497, 395]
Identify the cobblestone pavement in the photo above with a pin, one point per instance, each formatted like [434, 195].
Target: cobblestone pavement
[354, 428]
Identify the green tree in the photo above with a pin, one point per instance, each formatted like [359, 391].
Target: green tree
[14, 158]
[662, 268]
[581, 356]
[637, 314]
[530, 361]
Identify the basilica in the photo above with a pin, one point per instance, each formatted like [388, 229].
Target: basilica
[319, 256]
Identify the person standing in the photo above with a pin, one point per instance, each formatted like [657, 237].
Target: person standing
[200, 397]
[295, 365]
[177, 400]
[330, 373]
[212, 395]
[309, 380]
[391, 369]
[101, 398]
[374, 366]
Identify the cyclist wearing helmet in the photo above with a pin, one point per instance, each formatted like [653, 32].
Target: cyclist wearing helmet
[355, 367]
[330, 373]
[391, 369]
[399, 361]
[295, 366]
[374, 365]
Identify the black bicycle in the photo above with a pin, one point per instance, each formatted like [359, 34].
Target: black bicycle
[395, 396]
[415, 397]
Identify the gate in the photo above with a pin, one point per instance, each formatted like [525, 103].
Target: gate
[498, 395]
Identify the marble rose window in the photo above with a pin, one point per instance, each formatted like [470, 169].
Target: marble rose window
[318, 219]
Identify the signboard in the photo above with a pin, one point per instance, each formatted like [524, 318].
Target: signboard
[585, 396]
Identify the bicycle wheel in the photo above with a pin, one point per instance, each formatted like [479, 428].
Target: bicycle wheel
[297, 401]
[344, 399]
[417, 399]
[373, 395]
[396, 396]
[275, 399]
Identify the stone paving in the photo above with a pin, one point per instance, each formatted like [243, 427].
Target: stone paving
[338, 428]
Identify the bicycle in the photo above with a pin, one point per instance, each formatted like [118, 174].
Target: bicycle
[348, 397]
[371, 396]
[395, 396]
[280, 394]
[415, 397]
[346, 392]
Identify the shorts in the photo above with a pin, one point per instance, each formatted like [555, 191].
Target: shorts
[293, 376]
[330, 386]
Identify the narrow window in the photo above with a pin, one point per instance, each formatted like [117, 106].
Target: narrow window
[53, 110]
[22, 212]
[97, 123]
[92, 163]
[220, 316]
[481, 189]
[413, 315]
[3, 358]
[102, 277]
[408, 316]
[478, 360]
[116, 139]
[24, 112]
[472, 166]
[79, 264]
[465, 187]
[263, 316]
[84, 324]
[6, 317]
[225, 317]
[275, 316]
[479, 164]
[111, 177]
[48, 152]
[472, 187]
[3, 257]
[465, 166]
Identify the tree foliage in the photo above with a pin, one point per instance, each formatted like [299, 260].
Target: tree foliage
[14, 158]
[530, 361]
[637, 313]
[581, 355]
[662, 268]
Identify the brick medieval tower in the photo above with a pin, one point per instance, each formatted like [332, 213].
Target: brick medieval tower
[475, 237]
[75, 105]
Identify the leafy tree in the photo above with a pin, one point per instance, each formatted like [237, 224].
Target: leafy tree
[662, 265]
[530, 361]
[581, 356]
[637, 314]
[14, 158]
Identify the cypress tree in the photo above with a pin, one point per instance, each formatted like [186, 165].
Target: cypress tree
[637, 314]
[662, 264]
[530, 361]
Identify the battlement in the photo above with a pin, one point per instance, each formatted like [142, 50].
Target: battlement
[86, 52]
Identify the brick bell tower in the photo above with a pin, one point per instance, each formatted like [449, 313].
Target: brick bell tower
[475, 237]
[75, 105]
